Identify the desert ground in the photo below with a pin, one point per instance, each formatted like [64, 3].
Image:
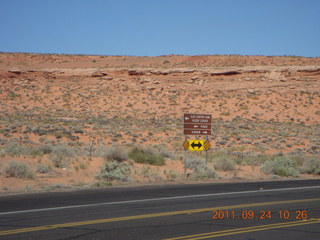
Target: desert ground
[79, 121]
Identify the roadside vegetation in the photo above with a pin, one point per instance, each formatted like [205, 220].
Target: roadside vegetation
[147, 156]
[281, 166]
[114, 167]
[61, 156]
[224, 163]
[236, 143]
[114, 153]
[18, 169]
[311, 165]
[200, 170]
[114, 170]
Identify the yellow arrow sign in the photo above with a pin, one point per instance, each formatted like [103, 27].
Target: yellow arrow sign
[196, 145]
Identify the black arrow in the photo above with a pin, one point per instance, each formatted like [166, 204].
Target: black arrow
[199, 145]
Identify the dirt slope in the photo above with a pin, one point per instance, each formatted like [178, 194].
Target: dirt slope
[259, 104]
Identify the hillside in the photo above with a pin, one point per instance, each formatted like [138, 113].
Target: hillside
[262, 107]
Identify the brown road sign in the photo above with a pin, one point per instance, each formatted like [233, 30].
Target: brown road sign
[197, 118]
[196, 132]
[196, 124]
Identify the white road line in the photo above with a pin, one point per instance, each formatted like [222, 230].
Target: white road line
[157, 199]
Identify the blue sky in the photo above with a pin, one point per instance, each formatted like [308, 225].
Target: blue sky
[161, 27]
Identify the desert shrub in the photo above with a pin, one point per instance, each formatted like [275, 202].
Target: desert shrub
[42, 139]
[102, 184]
[311, 165]
[59, 161]
[151, 174]
[2, 140]
[282, 166]
[161, 149]
[148, 156]
[14, 149]
[61, 155]
[166, 153]
[18, 170]
[41, 150]
[35, 152]
[2, 153]
[218, 153]
[194, 163]
[201, 170]
[46, 149]
[115, 153]
[297, 159]
[224, 163]
[146, 172]
[55, 187]
[43, 168]
[83, 165]
[130, 162]
[114, 171]
[254, 159]
[204, 172]
[171, 175]
[64, 150]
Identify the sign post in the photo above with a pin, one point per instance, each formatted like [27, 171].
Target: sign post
[185, 163]
[207, 151]
[185, 146]
[207, 146]
[196, 124]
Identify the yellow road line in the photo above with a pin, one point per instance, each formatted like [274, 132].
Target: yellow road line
[244, 230]
[152, 215]
[224, 231]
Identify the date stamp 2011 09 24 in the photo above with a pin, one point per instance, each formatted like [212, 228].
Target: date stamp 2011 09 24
[261, 214]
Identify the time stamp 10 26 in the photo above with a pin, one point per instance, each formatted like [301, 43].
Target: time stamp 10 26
[260, 214]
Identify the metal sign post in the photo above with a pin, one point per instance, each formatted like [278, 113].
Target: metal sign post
[185, 146]
[207, 151]
[196, 124]
[185, 163]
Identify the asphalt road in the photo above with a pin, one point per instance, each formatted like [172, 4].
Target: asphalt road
[255, 210]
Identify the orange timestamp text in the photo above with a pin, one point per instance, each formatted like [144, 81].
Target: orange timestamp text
[261, 214]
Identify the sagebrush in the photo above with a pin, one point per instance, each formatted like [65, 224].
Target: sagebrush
[201, 170]
[114, 170]
[282, 166]
[148, 156]
[18, 169]
[60, 156]
[224, 163]
[115, 152]
[311, 165]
